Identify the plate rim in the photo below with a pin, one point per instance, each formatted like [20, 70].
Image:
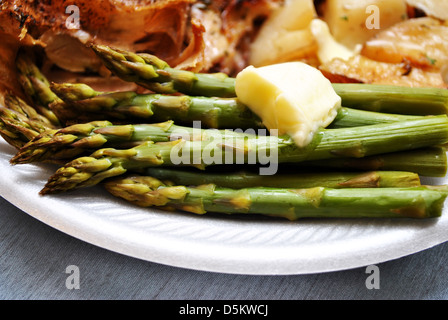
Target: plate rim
[204, 257]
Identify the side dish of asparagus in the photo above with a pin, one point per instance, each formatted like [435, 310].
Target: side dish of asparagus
[156, 75]
[292, 204]
[146, 148]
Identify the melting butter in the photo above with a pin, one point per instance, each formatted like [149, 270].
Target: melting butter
[291, 98]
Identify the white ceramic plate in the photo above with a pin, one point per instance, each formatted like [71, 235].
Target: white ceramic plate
[227, 244]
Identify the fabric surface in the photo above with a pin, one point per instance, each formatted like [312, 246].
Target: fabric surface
[34, 258]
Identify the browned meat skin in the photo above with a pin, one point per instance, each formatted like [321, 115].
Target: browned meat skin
[177, 31]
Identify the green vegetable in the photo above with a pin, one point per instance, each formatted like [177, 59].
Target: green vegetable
[248, 179]
[331, 143]
[292, 204]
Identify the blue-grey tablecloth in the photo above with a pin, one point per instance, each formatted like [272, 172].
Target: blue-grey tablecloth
[35, 262]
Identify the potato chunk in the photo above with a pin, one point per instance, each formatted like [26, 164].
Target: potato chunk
[421, 41]
[285, 35]
[365, 70]
[434, 8]
[351, 23]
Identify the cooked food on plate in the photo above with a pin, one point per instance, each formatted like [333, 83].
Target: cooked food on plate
[284, 108]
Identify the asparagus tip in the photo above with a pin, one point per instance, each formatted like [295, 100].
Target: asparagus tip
[81, 172]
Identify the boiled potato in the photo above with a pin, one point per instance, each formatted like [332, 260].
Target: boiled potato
[364, 70]
[445, 73]
[352, 22]
[434, 8]
[421, 41]
[285, 35]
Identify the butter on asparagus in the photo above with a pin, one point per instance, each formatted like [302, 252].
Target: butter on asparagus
[293, 98]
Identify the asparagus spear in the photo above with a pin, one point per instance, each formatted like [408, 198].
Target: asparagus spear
[64, 108]
[328, 144]
[80, 139]
[94, 135]
[73, 91]
[55, 141]
[16, 127]
[393, 99]
[292, 204]
[36, 86]
[430, 162]
[80, 99]
[147, 71]
[19, 106]
[349, 117]
[100, 134]
[76, 140]
[12, 137]
[133, 107]
[247, 179]
[156, 75]
[53, 145]
[20, 123]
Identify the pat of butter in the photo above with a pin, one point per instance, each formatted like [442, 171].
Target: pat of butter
[293, 98]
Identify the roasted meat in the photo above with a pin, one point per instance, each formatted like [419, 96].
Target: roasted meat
[188, 34]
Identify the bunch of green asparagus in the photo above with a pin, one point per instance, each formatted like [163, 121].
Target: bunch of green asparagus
[147, 149]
